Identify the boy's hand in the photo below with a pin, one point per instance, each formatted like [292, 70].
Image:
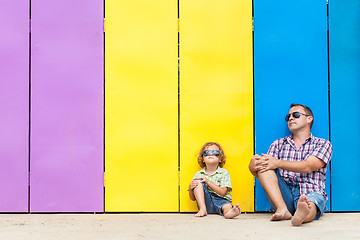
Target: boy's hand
[194, 183]
[203, 179]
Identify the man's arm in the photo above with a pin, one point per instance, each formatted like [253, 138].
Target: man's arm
[311, 164]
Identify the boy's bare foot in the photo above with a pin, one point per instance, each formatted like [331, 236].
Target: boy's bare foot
[281, 214]
[302, 211]
[201, 213]
[234, 212]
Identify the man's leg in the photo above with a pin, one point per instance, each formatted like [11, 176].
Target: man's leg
[269, 181]
[305, 212]
[309, 207]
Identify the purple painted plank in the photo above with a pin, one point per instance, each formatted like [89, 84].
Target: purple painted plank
[14, 105]
[67, 106]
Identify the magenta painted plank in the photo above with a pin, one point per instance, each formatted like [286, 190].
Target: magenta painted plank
[66, 106]
[14, 105]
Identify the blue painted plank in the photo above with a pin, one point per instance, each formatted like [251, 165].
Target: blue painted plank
[344, 50]
[290, 66]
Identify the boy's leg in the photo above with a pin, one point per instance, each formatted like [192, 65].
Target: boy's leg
[231, 211]
[223, 207]
[200, 200]
[269, 181]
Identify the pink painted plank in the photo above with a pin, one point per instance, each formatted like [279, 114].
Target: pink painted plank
[67, 106]
[14, 105]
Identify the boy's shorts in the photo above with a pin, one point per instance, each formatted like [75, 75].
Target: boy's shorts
[291, 194]
[213, 202]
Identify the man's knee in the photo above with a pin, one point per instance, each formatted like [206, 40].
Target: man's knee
[267, 175]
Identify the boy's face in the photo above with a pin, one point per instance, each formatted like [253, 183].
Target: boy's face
[211, 159]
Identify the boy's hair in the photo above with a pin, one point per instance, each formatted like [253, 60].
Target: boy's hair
[222, 156]
[306, 109]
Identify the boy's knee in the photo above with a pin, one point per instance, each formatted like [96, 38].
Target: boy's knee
[199, 183]
[203, 184]
[227, 206]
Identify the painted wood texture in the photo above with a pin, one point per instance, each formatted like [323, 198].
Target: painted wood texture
[67, 106]
[344, 50]
[141, 131]
[14, 105]
[216, 91]
[290, 66]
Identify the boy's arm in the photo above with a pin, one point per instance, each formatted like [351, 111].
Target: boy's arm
[219, 190]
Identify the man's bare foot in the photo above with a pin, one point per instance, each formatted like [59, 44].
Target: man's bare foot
[234, 212]
[302, 211]
[201, 213]
[281, 214]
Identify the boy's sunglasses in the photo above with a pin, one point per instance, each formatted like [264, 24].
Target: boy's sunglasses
[208, 152]
[295, 115]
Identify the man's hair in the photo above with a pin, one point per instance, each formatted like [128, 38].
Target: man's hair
[222, 156]
[307, 111]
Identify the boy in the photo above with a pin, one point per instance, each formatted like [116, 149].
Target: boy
[211, 186]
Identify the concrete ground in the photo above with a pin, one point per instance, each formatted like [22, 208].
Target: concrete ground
[173, 226]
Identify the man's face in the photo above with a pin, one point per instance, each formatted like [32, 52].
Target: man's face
[302, 122]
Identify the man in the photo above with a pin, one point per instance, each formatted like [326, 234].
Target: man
[293, 172]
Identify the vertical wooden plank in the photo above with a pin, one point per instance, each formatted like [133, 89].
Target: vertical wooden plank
[290, 66]
[14, 105]
[344, 50]
[141, 135]
[67, 106]
[216, 91]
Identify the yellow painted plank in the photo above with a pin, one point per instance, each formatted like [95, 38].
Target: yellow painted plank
[141, 106]
[216, 91]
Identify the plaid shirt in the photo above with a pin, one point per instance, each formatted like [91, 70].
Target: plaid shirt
[220, 177]
[284, 149]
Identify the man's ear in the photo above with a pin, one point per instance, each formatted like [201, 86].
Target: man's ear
[309, 119]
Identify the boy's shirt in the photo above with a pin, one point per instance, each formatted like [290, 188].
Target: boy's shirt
[220, 177]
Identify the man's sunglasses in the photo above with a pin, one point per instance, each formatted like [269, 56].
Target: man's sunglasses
[208, 152]
[295, 115]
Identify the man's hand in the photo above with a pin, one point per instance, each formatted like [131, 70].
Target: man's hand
[265, 163]
[252, 165]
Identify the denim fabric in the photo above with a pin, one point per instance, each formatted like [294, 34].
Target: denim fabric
[291, 194]
[213, 202]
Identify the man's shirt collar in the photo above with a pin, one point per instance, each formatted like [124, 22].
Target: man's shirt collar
[290, 139]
